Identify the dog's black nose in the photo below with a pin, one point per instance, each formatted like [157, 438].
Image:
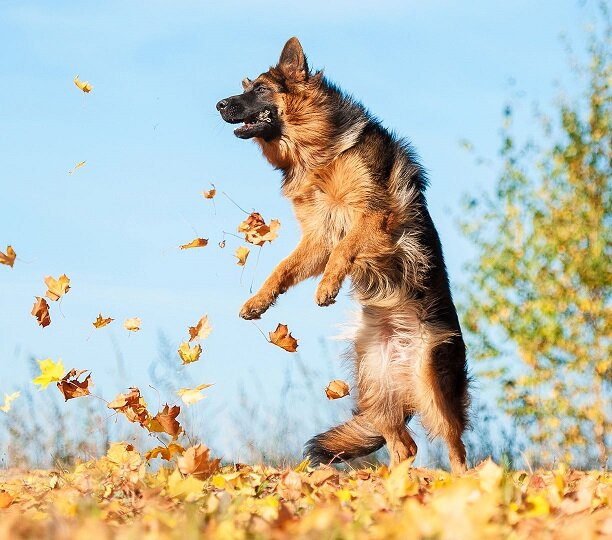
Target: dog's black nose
[221, 105]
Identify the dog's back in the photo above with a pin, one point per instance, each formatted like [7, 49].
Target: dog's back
[358, 193]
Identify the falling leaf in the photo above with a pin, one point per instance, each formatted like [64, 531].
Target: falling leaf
[283, 338]
[165, 421]
[256, 231]
[196, 462]
[101, 322]
[132, 324]
[222, 244]
[7, 401]
[189, 355]
[57, 287]
[6, 499]
[132, 405]
[85, 86]
[9, 257]
[198, 242]
[40, 310]
[337, 389]
[200, 330]
[49, 372]
[71, 387]
[210, 193]
[165, 452]
[192, 395]
[77, 166]
[241, 254]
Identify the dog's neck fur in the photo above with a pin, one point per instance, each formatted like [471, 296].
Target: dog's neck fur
[313, 136]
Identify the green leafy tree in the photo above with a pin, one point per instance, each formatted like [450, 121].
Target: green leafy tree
[538, 306]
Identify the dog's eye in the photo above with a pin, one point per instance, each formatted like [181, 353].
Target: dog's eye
[261, 89]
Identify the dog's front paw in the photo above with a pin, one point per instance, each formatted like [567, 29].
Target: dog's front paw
[327, 292]
[255, 307]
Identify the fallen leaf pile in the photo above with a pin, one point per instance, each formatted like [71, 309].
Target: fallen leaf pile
[116, 496]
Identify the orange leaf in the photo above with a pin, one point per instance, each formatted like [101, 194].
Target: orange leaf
[283, 338]
[100, 322]
[9, 257]
[6, 499]
[198, 242]
[256, 231]
[40, 310]
[200, 330]
[337, 389]
[210, 193]
[165, 421]
[57, 287]
[189, 355]
[164, 452]
[196, 461]
[133, 324]
[71, 387]
[132, 405]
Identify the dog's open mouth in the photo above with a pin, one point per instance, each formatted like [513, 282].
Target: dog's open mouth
[254, 123]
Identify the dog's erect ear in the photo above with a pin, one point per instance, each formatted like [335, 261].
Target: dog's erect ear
[293, 62]
[246, 82]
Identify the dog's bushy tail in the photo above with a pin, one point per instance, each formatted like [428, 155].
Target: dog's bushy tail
[352, 439]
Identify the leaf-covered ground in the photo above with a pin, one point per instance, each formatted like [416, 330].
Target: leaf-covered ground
[119, 496]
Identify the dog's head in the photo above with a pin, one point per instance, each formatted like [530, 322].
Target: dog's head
[260, 107]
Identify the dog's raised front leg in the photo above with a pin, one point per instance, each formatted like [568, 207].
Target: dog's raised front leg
[306, 260]
[367, 231]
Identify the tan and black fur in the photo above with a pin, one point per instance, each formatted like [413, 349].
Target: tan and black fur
[358, 194]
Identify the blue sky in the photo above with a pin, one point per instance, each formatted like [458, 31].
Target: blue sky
[435, 72]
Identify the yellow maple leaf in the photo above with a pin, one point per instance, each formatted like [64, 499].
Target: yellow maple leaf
[7, 401]
[132, 324]
[241, 254]
[83, 85]
[189, 355]
[192, 395]
[57, 287]
[49, 372]
[165, 452]
[9, 257]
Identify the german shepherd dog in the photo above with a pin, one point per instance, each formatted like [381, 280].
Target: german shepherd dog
[358, 193]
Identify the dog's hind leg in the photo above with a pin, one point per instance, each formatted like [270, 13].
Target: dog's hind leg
[442, 394]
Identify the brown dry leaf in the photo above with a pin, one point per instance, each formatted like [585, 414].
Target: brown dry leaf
[196, 462]
[132, 405]
[283, 338]
[57, 287]
[222, 244]
[189, 355]
[201, 330]
[71, 387]
[241, 254]
[133, 324]
[196, 243]
[6, 499]
[77, 166]
[83, 85]
[165, 421]
[210, 193]
[40, 310]
[337, 389]
[9, 257]
[101, 322]
[290, 486]
[256, 231]
[165, 452]
[323, 475]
